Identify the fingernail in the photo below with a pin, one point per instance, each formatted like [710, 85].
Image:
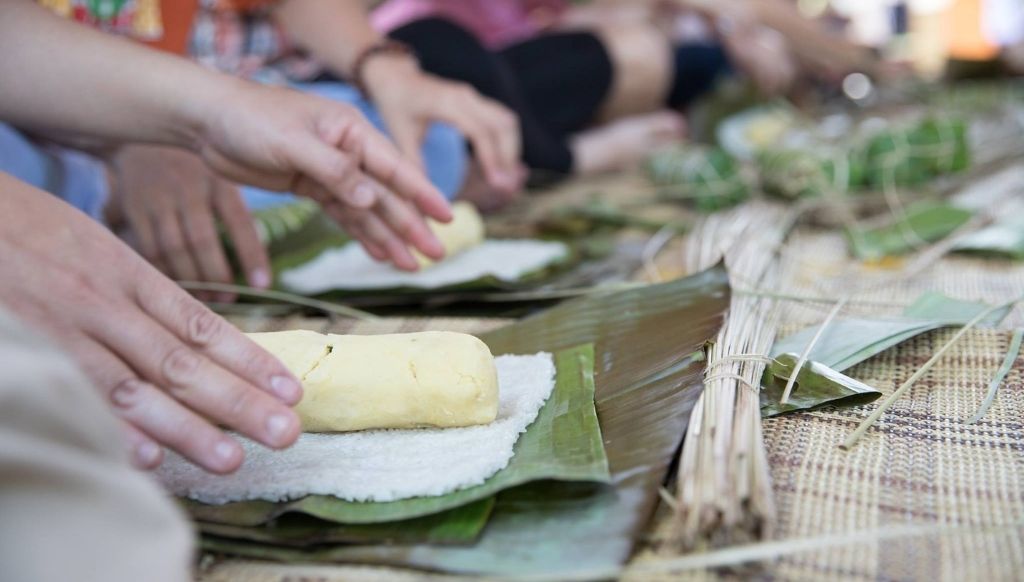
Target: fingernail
[259, 278]
[278, 427]
[123, 394]
[147, 454]
[286, 389]
[363, 195]
[225, 450]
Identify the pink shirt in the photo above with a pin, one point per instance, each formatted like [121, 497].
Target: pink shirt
[497, 23]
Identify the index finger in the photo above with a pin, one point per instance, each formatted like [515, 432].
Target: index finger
[381, 160]
[197, 326]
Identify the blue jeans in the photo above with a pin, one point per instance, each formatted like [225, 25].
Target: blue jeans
[77, 178]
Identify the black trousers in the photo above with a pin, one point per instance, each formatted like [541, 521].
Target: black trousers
[555, 83]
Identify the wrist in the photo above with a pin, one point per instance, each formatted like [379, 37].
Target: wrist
[198, 117]
[384, 71]
[382, 62]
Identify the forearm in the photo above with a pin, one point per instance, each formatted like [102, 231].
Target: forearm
[334, 32]
[809, 41]
[63, 76]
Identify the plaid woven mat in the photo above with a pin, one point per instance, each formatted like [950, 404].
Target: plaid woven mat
[921, 463]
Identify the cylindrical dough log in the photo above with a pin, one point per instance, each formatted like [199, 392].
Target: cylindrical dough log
[300, 350]
[430, 379]
[465, 231]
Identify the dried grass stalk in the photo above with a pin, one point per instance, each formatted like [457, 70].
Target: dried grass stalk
[724, 490]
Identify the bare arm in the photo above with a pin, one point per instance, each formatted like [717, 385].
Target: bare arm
[336, 32]
[62, 76]
[333, 31]
[808, 41]
[811, 43]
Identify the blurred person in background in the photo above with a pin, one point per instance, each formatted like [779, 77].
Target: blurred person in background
[597, 86]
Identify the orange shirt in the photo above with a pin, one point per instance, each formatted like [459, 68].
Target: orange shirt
[163, 24]
[966, 38]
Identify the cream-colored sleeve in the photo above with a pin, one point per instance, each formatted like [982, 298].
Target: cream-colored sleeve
[430, 379]
[73, 508]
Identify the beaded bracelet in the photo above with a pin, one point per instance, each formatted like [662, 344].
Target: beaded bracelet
[386, 46]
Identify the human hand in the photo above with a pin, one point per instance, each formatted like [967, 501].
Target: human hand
[409, 100]
[170, 367]
[761, 54]
[288, 141]
[170, 202]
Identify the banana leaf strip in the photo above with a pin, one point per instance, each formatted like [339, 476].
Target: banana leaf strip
[923, 223]
[1005, 238]
[648, 370]
[850, 341]
[817, 386]
[563, 443]
[461, 525]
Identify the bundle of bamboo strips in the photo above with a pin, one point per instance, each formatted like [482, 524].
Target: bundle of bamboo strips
[724, 491]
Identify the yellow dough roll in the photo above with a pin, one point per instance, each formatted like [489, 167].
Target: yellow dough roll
[357, 382]
[300, 350]
[465, 231]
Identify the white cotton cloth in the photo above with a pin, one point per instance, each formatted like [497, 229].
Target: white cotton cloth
[381, 465]
[350, 268]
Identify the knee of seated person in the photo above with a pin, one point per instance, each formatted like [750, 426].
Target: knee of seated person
[642, 59]
[445, 158]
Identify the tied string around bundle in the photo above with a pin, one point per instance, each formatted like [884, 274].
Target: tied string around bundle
[711, 375]
[694, 169]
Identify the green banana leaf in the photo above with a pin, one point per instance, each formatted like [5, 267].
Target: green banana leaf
[278, 223]
[1005, 238]
[799, 173]
[706, 178]
[461, 525]
[648, 346]
[817, 386]
[563, 443]
[850, 341]
[924, 222]
[911, 155]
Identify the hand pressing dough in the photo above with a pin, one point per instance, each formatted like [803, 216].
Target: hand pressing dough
[353, 382]
[465, 231]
